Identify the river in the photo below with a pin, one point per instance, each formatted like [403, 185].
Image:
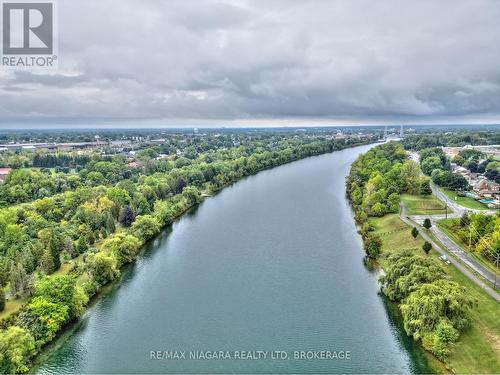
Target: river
[272, 263]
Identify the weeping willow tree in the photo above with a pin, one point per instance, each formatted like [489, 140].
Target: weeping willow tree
[435, 310]
[406, 272]
[436, 313]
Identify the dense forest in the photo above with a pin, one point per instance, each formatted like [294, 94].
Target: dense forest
[375, 184]
[58, 250]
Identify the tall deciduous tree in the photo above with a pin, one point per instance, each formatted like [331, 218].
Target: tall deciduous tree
[127, 216]
[428, 305]
[16, 348]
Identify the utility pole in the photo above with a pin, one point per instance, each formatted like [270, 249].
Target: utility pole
[470, 236]
[446, 209]
[497, 260]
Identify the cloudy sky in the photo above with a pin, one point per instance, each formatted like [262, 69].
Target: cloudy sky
[244, 62]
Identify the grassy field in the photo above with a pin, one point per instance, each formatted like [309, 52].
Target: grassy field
[395, 234]
[11, 306]
[478, 349]
[467, 202]
[423, 205]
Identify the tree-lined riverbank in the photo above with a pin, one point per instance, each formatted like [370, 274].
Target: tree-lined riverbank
[441, 308]
[118, 224]
[266, 264]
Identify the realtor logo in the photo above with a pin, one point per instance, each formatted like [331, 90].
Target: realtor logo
[28, 34]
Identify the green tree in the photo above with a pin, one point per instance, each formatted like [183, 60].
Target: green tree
[427, 247]
[425, 186]
[62, 289]
[192, 195]
[164, 212]
[44, 318]
[431, 163]
[126, 217]
[425, 308]
[414, 232]
[81, 245]
[427, 223]
[439, 340]
[373, 245]
[119, 196]
[145, 227]
[17, 346]
[378, 209]
[52, 239]
[18, 279]
[410, 173]
[124, 247]
[2, 299]
[46, 264]
[406, 272]
[393, 202]
[102, 268]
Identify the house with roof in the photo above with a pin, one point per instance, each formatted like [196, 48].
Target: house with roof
[487, 189]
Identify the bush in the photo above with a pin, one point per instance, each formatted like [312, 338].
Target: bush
[427, 247]
[414, 232]
[81, 245]
[427, 224]
[438, 341]
[378, 209]
[373, 245]
[366, 228]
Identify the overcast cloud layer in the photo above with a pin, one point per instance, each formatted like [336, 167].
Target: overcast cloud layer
[335, 60]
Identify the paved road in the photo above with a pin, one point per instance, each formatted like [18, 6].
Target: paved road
[465, 260]
[453, 247]
[455, 207]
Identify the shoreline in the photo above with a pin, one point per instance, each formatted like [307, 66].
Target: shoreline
[373, 265]
[384, 235]
[67, 330]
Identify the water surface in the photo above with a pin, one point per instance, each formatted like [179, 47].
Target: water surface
[273, 263]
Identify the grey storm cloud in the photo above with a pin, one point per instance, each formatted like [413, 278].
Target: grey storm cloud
[266, 60]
